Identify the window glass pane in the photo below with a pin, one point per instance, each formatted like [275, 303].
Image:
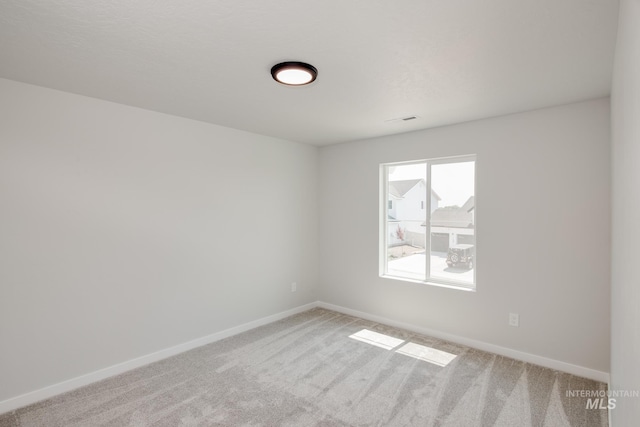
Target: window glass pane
[406, 221]
[452, 254]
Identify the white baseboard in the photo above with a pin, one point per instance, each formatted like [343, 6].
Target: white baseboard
[74, 383]
[503, 351]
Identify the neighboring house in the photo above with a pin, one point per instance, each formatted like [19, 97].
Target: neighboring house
[407, 200]
[452, 225]
[470, 206]
[406, 208]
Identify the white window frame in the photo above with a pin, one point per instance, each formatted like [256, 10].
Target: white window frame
[384, 230]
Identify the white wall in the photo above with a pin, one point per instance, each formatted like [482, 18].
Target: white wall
[543, 215]
[625, 284]
[124, 232]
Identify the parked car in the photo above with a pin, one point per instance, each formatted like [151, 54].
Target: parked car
[461, 254]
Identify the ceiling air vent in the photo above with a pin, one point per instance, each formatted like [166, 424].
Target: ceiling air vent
[401, 119]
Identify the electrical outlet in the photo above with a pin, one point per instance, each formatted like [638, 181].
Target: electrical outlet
[514, 319]
[294, 287]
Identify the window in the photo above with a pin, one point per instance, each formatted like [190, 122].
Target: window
[428, 226]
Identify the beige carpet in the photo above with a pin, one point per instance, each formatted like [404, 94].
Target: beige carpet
[322, 368]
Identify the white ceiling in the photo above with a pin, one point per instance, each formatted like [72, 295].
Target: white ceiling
[445, 61]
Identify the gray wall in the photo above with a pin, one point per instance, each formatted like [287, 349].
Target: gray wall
[541, 175]
[124, 232]
[625, 283]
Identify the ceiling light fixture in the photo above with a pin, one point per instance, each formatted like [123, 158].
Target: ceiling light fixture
[294, 73]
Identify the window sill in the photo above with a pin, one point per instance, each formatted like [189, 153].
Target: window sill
[448, 285]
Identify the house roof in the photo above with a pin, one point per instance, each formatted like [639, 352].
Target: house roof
[400, 188]
[453, 217]
[469, 205]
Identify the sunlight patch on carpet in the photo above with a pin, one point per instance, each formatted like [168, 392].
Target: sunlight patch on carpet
[417, 351]
[427, 354]
[377, 339]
